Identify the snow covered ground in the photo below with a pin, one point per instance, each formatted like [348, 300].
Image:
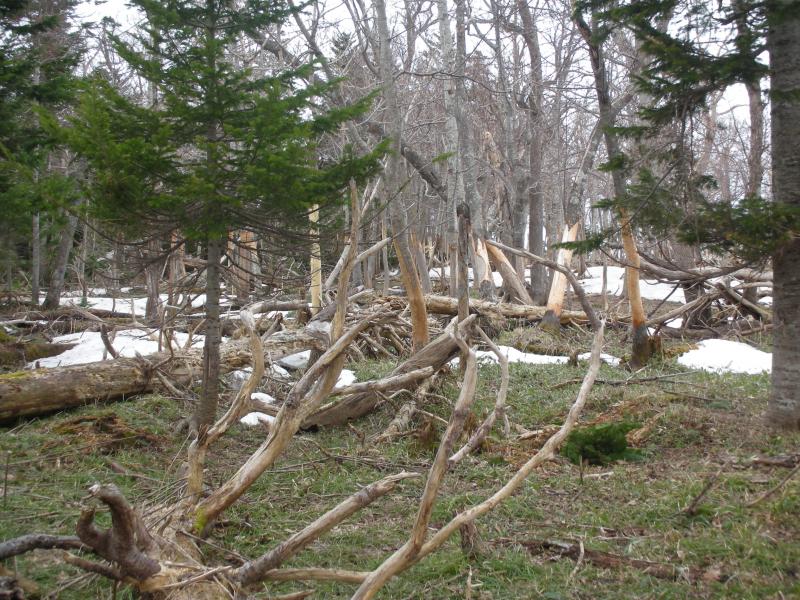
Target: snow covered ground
[127, 343]
[517, 356]
[101, 301]
[593, 284]
[725, 356]
[651, 290]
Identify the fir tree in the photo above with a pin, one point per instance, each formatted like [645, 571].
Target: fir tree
[37, 57]
[220, 147]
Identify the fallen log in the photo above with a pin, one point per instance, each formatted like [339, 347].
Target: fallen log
[445, 305]
[41, 391]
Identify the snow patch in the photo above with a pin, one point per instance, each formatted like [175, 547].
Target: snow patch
[347, 377]
[517, 356]
[615, 281]
[254, 419]
[296, 361]
[606, 358]
[279, 372]
[321, 326]
[263, 399]
[725, 356]
[90, 346]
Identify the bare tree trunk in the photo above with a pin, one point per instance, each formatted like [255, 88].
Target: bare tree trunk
[206, 410]
[536, 201]
[56, 286]
[641, 350]
[36, 260]
[152, 276]
[455, 175]
[408, 271]
[783, 43]
[422, 264]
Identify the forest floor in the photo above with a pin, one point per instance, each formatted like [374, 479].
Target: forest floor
[697, 425]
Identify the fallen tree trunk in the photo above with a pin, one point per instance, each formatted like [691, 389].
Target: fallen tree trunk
[449, 306]
[41, 391]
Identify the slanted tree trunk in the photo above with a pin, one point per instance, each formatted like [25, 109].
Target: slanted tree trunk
[56, 286]
[783, 42]
[511, 280]
[558, 287]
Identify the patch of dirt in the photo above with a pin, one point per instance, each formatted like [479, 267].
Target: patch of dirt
[105, 434]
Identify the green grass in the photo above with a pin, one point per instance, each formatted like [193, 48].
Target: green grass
[697, 421]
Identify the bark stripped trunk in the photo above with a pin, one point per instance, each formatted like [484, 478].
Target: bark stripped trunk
[558, 287]
[245, 264]
[316, 261]
[511, 280]
[641, 346]
[408, 270]
[783, 42]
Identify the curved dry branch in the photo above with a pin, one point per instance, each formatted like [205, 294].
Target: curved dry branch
[498, 412]
[38, 541]
[408, 555]
[199, 447]
[260, 568]
[409, 551]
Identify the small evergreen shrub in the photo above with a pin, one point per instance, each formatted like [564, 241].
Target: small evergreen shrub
[600, 444]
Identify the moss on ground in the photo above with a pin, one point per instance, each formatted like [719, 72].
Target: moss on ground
[693, 424]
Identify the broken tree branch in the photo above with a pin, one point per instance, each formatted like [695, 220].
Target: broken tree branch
[256, 570]
[373, 583]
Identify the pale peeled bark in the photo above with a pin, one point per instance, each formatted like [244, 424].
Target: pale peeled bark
[558, 287]
[246, 262]
[509, 274]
